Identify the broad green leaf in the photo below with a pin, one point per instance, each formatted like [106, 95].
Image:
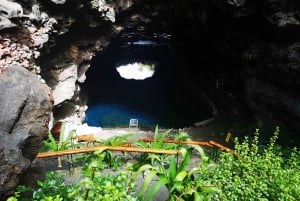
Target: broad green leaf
[146, 183]
[141, 144]
[142, 169]
[209, 189]
[172, 167]
[158, 185]
[181, 175]
[176, 185]
[192, 171]
[67, 143]
[154, 156]
[162, 138]
[98, 140]
[197, 196]
[52, 144]
[201, 152]
[187, 153]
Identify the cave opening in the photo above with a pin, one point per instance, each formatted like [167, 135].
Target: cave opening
[161, 98]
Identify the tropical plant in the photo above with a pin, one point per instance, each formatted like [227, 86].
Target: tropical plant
[98, 187]
[113, 160]
[61, 144]
[177, 177]
[115, 140]
[158, 143]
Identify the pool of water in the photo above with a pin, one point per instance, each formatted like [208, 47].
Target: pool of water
[111, 115]
[165, 99]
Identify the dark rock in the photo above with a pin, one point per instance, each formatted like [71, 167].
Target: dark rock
[25, 107]
[35, 172]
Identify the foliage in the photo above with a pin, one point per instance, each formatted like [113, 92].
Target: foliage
[61, 144]
[158, 143]
[108, 160]
[256, 172]
[93, 187]
[111, 187]
[54, 185]
[178, 178]
[115, 140]
[98, 187]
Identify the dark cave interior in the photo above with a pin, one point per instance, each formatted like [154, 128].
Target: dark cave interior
[166, 98]
[202, 60]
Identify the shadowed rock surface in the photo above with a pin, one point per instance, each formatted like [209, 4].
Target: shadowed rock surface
[25, 107]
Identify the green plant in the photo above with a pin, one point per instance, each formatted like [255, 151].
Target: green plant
[95, 186]
[15, 197]
[178, 178]
[53, 188]
[61, 144]
[98, 187]
[256, 172]
[111, 187]
[116, 140]
[114, 161]
[158, 143]
[19, 193]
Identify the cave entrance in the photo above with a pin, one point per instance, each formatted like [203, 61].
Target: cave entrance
[137, 71]
[159, 98]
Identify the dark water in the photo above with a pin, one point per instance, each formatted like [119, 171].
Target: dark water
[164, 99]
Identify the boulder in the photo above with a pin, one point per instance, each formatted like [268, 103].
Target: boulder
[25, 108]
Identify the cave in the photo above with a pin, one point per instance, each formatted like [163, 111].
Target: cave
[164, 98]
[215, 66]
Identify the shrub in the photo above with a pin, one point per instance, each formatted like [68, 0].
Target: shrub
[256, 172]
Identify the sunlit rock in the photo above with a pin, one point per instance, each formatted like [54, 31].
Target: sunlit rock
[65, 88]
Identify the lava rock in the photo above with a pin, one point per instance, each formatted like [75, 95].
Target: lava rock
[25, 108]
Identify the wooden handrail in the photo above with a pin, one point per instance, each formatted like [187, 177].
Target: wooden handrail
[210, 143]
[203, 143]
[130, 148]
[222, 147]
[112, 148]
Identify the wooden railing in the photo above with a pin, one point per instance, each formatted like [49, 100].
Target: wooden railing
[112, 148]
[129, 147]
